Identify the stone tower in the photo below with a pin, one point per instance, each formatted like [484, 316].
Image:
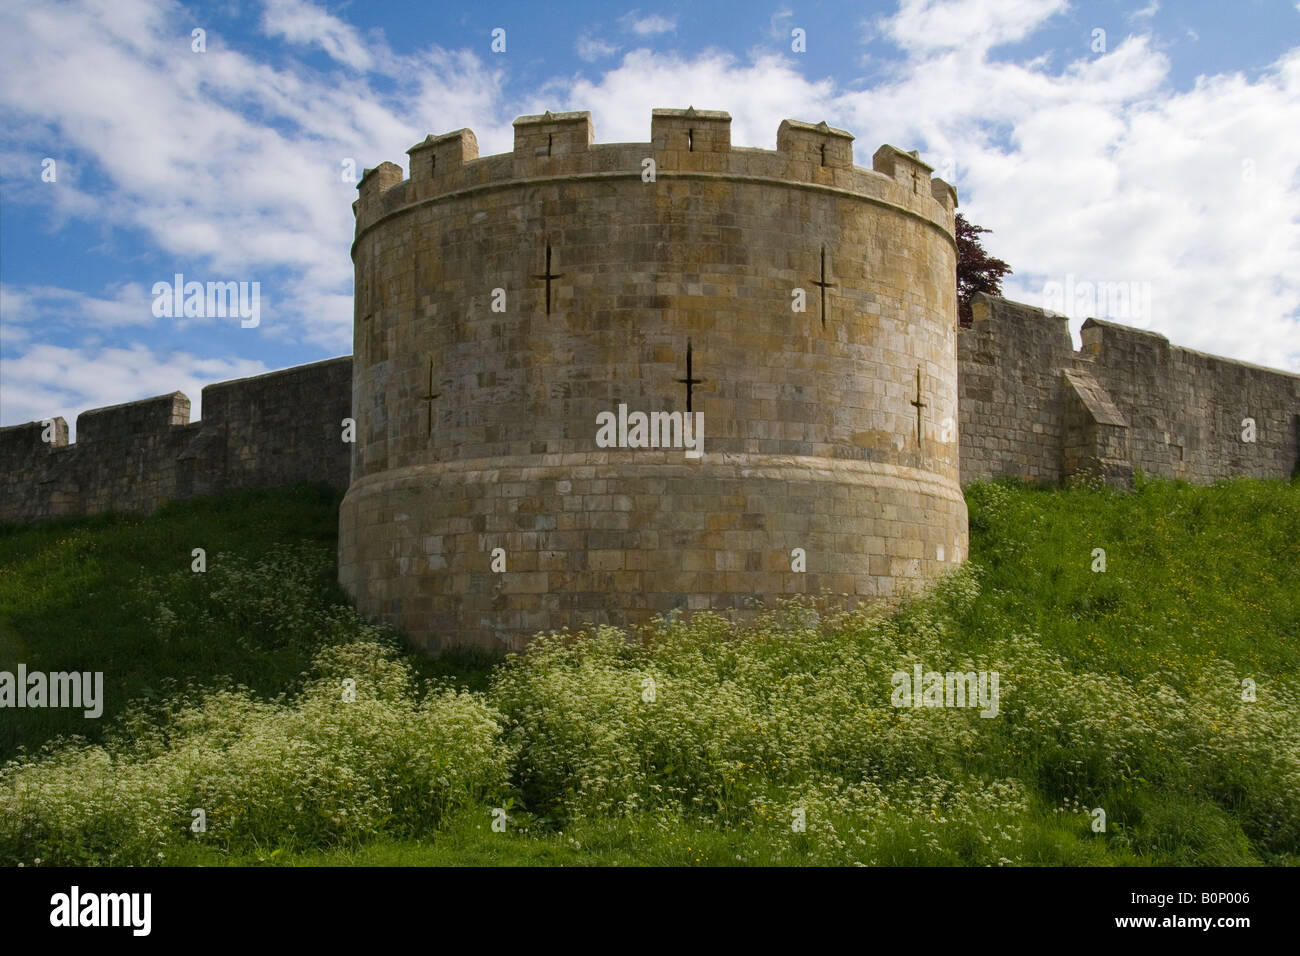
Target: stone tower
[508, 305]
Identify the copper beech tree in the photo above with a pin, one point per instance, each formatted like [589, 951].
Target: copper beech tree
[977, 271]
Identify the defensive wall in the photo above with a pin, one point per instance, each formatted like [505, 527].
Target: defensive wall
[259, 432]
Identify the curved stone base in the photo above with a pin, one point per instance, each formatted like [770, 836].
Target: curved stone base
[620, 537]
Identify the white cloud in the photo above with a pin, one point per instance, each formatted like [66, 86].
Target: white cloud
[1146, 12]
[231, 167]
[125, 303]
[591, 49]
[49, 381]
[780, 24]
[1107, 175]
[1104, 173]
[300, 22]
[758, 94]
[976, 25]
[652, 25]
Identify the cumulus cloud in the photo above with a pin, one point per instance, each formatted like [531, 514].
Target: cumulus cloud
[978, 25]
[1104, 173]
[758, 94]
[228, 165]
[591, 49]
[300, 22]
[49, 381]
[647, 26]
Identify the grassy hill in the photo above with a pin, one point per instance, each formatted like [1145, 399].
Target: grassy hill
[1121, 691]
[90, 594]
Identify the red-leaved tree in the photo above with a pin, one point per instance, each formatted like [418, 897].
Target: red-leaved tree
[977, 271]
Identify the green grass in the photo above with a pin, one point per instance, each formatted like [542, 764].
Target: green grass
[1192, 574]
[74, 596]
[468, 840]
[1121, 690]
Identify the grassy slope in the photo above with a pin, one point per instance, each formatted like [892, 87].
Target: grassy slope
[70, 600]
[1192, 573]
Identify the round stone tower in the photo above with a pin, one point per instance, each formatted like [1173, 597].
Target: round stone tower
[594, 383]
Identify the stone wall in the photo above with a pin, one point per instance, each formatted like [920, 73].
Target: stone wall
[478, 380]
[502, 303]
[1011, 412]
[1033, 408]
[1186, 409]
[269, 430]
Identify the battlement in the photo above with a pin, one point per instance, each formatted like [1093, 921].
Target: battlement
[268, 430]
[140, 420]
[683, 142]
[552, 134]
[690, 131]
[1033, 407]
[820, 146]
[21, 441]
[436, 155]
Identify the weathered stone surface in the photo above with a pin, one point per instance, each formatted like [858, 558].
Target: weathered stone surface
[1012, 417]
[476, 428]
[1095, 439]
[258, 432]
[1186, 410]
[1033, 408]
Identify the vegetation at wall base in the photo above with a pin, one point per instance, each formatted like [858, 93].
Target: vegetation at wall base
[699, 743]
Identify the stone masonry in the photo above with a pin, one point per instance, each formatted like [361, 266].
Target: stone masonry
[1033, 408]
[259, 432]
[504, 302]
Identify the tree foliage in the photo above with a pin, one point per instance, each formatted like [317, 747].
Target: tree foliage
[977, 271]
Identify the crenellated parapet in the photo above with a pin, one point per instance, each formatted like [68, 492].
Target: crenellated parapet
[269, 430]
[1034, 408]
[683, 142]
[797, 311]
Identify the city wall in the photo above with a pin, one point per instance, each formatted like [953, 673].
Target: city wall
[259, 432]
[1031, 407]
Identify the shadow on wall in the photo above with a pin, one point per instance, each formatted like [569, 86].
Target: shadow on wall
[259, 432]
[1033, 408]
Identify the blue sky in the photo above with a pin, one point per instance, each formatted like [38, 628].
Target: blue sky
[1163, 155]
